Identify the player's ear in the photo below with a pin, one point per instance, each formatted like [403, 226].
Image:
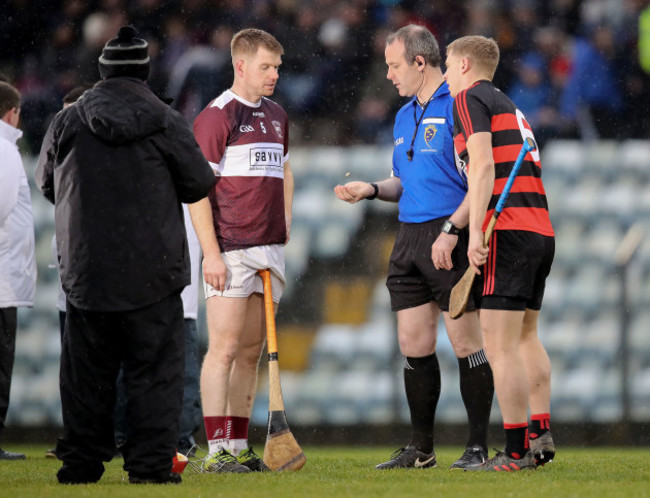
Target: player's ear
[239, 67]
[465, 64]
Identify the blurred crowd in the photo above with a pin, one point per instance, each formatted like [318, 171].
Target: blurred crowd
[576, 68]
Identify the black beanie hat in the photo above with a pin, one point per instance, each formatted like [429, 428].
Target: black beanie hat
[125, 55]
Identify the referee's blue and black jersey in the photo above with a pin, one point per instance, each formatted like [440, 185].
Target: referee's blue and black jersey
[432, 186]
[484, 108]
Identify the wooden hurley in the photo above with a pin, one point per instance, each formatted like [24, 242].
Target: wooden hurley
[281, 451]
[460, 292]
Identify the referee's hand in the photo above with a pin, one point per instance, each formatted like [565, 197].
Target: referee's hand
[441, 251]
[353, 192]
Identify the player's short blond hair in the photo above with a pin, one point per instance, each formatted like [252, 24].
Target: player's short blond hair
[482, 51]
[247, 41]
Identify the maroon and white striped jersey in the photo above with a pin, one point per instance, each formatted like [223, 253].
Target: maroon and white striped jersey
[247, 145]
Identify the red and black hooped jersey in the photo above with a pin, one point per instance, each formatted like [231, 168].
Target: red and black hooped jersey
[484, 108]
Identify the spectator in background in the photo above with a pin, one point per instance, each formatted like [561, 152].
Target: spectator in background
[320, 87]
[515, 30]
[200, 73]
[17, 263]
[301, 85]
[481, 17]
[96, 32]
[562, 14]
[373, 116]
[531, 90]
[634, 40]
[593, 96]
[177, 42]
[39, 97]
[446, 19]
[533, 95]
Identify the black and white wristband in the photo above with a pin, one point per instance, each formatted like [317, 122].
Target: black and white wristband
[375, 193]
[450, 228]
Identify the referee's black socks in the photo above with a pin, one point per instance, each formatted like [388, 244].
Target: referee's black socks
[422, 384]
[477, 391]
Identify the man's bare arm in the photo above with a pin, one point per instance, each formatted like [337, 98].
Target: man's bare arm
[480, 179]
[288, 197]
[214, 269]
[389, 190]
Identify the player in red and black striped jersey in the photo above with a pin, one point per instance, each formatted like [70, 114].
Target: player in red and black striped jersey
[488, 136]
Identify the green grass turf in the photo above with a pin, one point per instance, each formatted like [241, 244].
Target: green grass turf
[349, 472]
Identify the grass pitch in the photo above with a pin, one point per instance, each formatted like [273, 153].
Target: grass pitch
[349, 472]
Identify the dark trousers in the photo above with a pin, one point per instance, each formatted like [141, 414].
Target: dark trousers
[7, 354]
[149, 344]
[191, 413]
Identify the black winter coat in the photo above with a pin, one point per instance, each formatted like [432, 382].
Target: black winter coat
[117, 165]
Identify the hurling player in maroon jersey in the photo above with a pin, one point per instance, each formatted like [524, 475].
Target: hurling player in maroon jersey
[242, 227]
[489, 133]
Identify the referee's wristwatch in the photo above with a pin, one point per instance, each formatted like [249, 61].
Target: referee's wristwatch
[450, 228]
[375, 193]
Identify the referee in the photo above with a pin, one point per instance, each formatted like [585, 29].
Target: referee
[430, 249]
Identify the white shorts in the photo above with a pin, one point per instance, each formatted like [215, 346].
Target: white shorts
[243, 280]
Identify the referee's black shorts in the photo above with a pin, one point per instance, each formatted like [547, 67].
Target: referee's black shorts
[514, 276]
[412, 278]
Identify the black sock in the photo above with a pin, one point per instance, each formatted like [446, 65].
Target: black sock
[422, 383]
[477, 391]
[516, 439]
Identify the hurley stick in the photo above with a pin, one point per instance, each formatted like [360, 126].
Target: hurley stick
[460, 292]
[281, 451]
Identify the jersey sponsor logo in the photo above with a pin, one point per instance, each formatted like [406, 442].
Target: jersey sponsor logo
[399, 141]
[265, 158]
[278, 128]
[246, 128]
[258, 114]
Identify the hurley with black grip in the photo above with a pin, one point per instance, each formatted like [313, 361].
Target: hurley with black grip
[281, 451]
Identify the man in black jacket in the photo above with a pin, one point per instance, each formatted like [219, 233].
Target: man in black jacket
[117, 166]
